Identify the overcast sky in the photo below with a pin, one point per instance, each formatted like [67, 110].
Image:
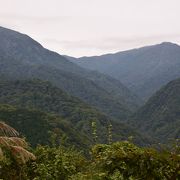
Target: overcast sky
[93, 27]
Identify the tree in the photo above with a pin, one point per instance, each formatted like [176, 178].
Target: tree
[13, 153]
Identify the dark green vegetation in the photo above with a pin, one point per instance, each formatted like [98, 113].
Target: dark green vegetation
[41, 128]
[142, 70]
[118, 161]
[160, 116]
[43, 95]
[34, 97]
[23, 58]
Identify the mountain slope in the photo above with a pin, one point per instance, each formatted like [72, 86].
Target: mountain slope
[38, 127]
[42, 96]
[23, 58]
[142, 70]
[160, 116]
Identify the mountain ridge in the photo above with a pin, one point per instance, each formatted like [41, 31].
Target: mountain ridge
[22, 58]
[143, 70]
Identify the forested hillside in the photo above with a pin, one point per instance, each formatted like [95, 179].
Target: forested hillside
[43, 96]
[42, 128]
[160, 116]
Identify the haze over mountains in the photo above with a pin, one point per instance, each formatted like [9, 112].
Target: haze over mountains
[22, 58]
[45, 88]
[115, 116]
[142, 70]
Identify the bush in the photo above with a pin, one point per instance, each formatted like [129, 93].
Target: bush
[127, 161]
[56, 163]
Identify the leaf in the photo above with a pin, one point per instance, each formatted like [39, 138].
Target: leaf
[7, 130]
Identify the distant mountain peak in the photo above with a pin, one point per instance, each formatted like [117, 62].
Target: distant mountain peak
[168, 44]
[155, 46]
[143, 70]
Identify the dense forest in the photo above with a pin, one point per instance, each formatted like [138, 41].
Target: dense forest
[45, 100]
[160, 116]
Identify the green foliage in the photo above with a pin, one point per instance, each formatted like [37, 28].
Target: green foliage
[117, 161]
[94, 131]
[14, 154]
[11, 170]
[110, 133]
[128, 161]
[56, 163]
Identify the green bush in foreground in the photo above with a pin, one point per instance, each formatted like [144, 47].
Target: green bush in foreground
[56, 163]
[123, 160]
[117, 161]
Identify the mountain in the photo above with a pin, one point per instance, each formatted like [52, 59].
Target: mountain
[41, 98]
[160, 116]
[23, 58]
[142, 70]
[38, 127]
